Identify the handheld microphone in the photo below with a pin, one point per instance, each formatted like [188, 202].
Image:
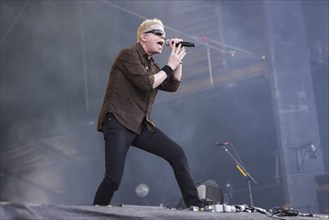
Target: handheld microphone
[183, 43]
[222, 144]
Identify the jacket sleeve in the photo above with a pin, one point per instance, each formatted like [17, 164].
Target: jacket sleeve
[171, 84]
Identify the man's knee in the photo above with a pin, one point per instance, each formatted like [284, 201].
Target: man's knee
[179, 160]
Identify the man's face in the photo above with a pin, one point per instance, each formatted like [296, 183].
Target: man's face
[154, 39]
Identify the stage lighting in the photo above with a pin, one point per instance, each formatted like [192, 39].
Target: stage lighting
[209, 193]
[142, 190]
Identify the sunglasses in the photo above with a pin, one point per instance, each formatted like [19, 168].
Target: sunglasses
[156, 32]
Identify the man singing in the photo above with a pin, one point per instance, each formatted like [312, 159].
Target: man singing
[124, 117]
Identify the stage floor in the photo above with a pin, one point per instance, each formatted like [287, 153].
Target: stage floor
[25, 211]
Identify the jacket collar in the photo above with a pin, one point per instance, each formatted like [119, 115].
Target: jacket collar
[140, 49]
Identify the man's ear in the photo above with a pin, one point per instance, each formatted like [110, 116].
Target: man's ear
[143, 37]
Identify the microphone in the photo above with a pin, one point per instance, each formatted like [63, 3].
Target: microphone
[223, 144]
[183, 43]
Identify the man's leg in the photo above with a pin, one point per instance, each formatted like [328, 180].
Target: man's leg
[161, 145]
[117, 142]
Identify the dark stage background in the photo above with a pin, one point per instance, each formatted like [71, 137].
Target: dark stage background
[55, 59]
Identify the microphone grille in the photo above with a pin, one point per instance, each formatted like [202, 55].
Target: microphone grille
[167, 42]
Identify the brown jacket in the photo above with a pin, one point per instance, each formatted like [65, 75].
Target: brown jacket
[129, 94]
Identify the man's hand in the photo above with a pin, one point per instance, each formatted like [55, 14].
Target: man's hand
[177, 53]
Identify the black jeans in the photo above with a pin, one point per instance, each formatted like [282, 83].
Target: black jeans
[118, 140]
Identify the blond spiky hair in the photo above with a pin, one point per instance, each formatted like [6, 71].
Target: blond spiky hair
[145, 24]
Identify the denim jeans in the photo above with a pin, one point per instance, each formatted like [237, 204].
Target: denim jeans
[118, 140]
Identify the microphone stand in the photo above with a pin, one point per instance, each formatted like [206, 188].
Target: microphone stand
[243, 171]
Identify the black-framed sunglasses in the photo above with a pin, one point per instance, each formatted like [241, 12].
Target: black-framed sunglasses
[156, 32]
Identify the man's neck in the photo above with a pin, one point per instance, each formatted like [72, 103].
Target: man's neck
[149, 56]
